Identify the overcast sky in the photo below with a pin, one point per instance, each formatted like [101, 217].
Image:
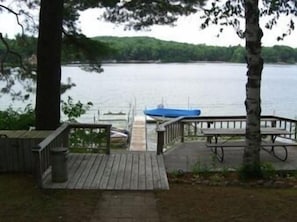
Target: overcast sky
[186, 30]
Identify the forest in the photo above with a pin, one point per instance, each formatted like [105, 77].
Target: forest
[151, 49]
[147, 49]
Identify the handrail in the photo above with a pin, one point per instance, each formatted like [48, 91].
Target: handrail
[185, 127]
[169, 132]
[60, 138]
[41, 152]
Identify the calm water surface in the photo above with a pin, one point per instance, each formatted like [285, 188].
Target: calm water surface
[215, 88]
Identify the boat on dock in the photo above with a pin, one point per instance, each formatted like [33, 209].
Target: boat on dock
[161, 113]
[121, 122]
[119, 138]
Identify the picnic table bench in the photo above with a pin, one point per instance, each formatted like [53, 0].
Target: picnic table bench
[229, 142]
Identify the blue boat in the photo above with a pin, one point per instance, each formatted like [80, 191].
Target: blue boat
[164, 113]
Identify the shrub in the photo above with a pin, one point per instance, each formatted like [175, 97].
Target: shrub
[17, 119]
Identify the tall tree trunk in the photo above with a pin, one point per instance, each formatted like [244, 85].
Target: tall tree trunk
[253, 32]
[49, 64]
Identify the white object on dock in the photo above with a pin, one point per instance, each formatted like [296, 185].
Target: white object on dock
[138, 136]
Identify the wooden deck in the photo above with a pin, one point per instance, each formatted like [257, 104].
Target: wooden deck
[195, 156]
[117, 171]
[16, 149]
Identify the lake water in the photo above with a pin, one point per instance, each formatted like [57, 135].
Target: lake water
[215, 88]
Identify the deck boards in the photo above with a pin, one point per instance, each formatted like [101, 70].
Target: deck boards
[117, 171]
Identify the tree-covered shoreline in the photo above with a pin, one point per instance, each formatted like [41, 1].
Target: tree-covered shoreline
[148, 49]
[152, 50]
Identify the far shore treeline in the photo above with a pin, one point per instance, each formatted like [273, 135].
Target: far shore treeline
[147, 49]
[151, 49]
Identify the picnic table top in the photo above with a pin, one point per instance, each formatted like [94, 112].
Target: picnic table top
[241, 131]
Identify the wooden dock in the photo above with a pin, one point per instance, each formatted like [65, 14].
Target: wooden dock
[138, 137]
[117, 171]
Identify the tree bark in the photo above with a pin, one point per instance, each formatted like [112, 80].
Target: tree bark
[253, 32]
[47, 108]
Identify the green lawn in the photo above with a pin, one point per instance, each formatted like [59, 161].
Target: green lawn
[21, 200]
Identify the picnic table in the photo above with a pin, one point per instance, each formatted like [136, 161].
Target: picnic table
[226, 137]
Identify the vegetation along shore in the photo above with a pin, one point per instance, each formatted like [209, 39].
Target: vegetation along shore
[147, 49]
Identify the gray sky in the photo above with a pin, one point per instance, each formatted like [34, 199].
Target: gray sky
[186, 30]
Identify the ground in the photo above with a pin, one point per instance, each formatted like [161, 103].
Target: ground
[185, 202]
[189, 199]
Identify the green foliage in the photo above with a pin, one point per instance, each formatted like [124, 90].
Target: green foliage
[199, 168]
[85, 51]
[232, 13]
[139, 14]
[248, 171]
[268, 171]
[177, 173]
[17, 120]
[74, 110]
[88, 140]
[146, 49]
[125, 49]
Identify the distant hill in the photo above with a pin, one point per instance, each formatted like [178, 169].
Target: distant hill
[148, 49]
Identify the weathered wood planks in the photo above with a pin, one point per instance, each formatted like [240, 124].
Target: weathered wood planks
[138, 137]
[16, 149]
[117, 171]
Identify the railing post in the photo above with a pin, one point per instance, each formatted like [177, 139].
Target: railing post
[160, 140]
[66, 137]
[273, 123]
[295, 131]
[182, 132]
[108, 139]
[36, 167]
[208, 139]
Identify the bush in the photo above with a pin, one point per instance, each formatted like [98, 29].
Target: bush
[74, 110]
[247, 172]
[17, 120]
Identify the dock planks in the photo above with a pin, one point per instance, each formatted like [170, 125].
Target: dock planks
[117, 171]
[138, 137]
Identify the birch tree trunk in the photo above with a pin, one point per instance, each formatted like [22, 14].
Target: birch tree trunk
[253, 32]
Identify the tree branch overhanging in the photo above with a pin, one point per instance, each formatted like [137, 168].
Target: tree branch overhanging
[16, 15]
[6, 53]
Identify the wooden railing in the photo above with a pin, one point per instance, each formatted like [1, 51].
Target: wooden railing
[72, 136]
[183, 128]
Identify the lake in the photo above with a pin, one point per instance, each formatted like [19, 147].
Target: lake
[215, 88]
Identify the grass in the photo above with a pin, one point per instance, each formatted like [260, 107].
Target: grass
[186, 202]
[22, 201]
